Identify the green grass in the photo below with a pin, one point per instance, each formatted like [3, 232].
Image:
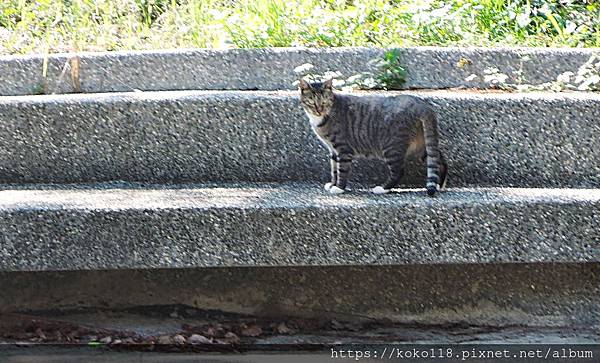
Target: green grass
[49, 26]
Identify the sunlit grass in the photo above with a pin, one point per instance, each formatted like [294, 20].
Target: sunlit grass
[51, 26]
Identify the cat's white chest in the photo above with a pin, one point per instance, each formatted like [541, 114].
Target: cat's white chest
[314, 122]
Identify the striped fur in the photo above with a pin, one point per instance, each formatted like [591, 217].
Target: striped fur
[388, 128]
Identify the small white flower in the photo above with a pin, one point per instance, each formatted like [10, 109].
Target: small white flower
[338, 82]
[332, 74]
[354, 78]
[565, 77]
[524, 19]
[303, 68]
[570, 28]
[471, 78]
[587, 85]
[496, 78]
[369, 82]
[491, 70]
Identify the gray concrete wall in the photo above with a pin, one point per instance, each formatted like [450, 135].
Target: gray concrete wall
[488, 295]
[534, 140]
[272, 69]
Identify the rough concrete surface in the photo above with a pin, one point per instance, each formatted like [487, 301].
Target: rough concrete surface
[273, 69]
[490, 139]
[285, 225]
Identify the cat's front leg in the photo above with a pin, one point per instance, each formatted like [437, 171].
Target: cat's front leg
[334, 166]
[344, 166]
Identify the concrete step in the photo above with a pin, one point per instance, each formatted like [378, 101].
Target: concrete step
[115, 227]
[273, 69]
[490, 139]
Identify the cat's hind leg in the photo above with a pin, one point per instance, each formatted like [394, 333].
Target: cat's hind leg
[394, 159]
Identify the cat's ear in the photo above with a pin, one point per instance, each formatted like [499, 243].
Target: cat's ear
[328, 84]
[304, 86]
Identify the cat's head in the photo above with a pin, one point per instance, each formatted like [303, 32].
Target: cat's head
[317, 97]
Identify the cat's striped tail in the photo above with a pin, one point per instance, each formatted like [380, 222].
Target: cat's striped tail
[436, 164]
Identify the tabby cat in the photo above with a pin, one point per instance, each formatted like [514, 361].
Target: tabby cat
[388, 128]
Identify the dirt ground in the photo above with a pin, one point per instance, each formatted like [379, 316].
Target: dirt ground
[182, 329]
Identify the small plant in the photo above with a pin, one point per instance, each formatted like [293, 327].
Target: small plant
[389, 76]
[495, 78]
[391, 73]
[587, 78]
[307, 72]
[150, 10]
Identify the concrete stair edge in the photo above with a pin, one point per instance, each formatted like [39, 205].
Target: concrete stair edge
[102, 227]
[490, 139]
[273, 68]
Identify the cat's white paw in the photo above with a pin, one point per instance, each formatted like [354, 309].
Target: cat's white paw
[336, 190]
[379, 190]
[328, 186]
[442, 188]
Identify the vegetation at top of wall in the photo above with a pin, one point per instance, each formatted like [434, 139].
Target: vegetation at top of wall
[48, 26]
[388, 74]
[585, 78]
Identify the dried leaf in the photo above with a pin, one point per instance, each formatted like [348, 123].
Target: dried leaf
[251, 331]
[283, 329]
